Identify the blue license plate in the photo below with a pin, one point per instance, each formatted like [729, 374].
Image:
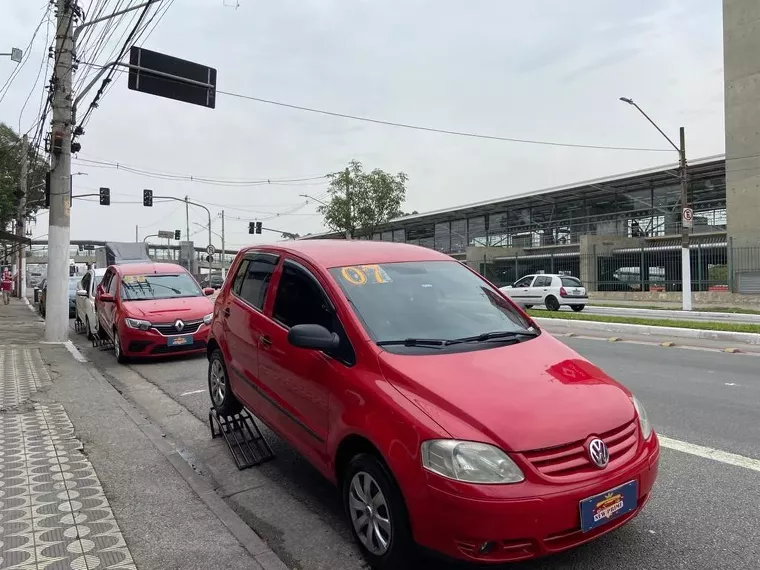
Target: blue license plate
[180, 340]
[605, 507]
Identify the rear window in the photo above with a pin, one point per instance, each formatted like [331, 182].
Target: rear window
[571, 282]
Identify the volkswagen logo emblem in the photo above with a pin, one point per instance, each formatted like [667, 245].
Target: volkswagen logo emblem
[598, 453]
[179, 325]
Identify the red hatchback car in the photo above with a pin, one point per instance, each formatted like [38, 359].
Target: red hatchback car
[152, 309]
[442, 411]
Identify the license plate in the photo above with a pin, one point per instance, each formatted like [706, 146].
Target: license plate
[605, 507]
[180, 340]
[576, 291]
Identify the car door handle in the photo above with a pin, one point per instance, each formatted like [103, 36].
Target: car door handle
[265, 340]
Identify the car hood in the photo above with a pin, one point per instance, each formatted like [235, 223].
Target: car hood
[168, 310]
[527, 396]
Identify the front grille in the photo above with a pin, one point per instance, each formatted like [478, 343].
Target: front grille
[168, 329]
[572, 460]
[165, 349]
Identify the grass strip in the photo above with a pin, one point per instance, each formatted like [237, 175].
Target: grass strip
[697, 325]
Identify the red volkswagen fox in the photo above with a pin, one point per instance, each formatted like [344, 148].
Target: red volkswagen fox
[152, 309]
[445, 415]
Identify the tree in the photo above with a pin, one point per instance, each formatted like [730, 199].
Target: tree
[289, 235]
[11, 152]
[373, 199]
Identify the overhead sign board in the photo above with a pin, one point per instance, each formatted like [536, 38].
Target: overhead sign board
[164, 234]
[688, 217]
[166, 76]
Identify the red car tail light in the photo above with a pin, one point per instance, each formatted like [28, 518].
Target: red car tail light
[562, 292]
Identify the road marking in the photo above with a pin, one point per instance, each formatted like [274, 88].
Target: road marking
[192, 392]
[710, 453]
[730, 384]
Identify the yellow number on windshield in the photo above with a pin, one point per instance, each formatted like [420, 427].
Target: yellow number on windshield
[353, 275]
[363, 274]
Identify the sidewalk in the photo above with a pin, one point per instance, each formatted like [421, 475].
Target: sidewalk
[85, 482]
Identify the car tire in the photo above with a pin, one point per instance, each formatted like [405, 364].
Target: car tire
[386, 539]
[118, 351]
[527, 307]
[88, 328]
[578, 308]
[551, 303]
[224, 401]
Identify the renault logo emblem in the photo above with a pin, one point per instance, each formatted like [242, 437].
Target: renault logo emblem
[179, 325]
[598, 453]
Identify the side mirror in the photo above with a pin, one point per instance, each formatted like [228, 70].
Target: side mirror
[106, 298]
[81, 293]
[314, 337]
[208, 291]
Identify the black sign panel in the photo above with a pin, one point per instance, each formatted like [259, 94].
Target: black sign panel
[166, 76]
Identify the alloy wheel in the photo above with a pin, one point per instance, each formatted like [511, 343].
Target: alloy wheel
[370, 515]
[218, 384]
[116, 345]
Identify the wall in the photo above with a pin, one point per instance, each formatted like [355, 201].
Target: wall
[704, 298]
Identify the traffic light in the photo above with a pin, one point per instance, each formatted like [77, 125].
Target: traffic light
[147, 197]
[177, 235]
[251, 228]
[258, 227]
[105, 196]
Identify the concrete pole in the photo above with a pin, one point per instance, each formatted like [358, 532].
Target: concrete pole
[137, 239]
[187, 220]
[685, 253]
[224, 272]
[348, 205]
[59, 232]
[20, 224]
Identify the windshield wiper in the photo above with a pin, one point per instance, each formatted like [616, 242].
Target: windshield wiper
[497, 335]
[426, 342]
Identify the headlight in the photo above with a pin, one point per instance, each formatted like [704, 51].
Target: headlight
[470, 462]
[207, 319]
[646, 427]
[137, 324]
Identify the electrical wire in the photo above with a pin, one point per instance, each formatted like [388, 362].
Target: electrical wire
[7, 85]
[45, 58]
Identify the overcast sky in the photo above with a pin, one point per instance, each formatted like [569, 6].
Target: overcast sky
[547, 69]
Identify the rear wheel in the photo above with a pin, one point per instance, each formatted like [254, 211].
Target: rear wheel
[578, 308]
[551, 303]
[377, 514]
[225, 402]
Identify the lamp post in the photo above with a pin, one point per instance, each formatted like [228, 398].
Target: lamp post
[686, 212]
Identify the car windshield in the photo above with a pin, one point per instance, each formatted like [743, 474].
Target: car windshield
[426, 300]
[571, 282]
[159, 286]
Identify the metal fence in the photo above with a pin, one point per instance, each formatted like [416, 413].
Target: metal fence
[714, 267]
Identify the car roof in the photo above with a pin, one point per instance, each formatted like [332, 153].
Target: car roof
[149, 268]
[330, 253]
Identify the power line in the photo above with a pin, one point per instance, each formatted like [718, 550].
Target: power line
[451, 132]
[45, 58]
[7, 85]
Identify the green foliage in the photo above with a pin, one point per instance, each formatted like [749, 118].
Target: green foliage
[11, 152]
[375, 197]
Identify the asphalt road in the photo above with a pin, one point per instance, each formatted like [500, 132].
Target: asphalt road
[703, 514]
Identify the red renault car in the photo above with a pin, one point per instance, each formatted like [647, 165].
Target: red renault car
[445, 415]
[152, 309]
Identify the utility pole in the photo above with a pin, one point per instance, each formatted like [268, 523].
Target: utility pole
[349, 233]
[224, 271]
[20, 225]
[59, 233]
[187, 219]
[137, 239]
[685, 252]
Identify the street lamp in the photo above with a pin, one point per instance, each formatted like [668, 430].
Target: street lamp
[686, 212]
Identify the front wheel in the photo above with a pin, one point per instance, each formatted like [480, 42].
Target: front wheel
[117, 350]
[377, 514]
[578, 308]
[224, 400]
[528, 307]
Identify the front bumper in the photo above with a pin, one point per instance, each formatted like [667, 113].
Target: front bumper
[150, 343]
[532, 519]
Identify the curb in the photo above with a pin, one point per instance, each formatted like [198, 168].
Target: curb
[681, 315]
[262, 554]
[675, 332]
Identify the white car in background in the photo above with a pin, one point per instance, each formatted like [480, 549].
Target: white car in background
[552, 291]
[85, 303]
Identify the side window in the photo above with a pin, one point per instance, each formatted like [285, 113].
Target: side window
[239, 276]
[543, 281]
[524, 282]
[113, 283]
[107, 280]
[258, 274]
[86, 281]
[300, 301]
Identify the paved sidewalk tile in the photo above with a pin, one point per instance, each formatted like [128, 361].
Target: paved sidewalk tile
[23, 373]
